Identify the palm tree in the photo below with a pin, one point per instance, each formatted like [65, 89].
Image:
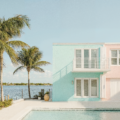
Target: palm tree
[30, 59]
[8, 29]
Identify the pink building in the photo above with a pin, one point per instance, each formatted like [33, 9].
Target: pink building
[113, 76]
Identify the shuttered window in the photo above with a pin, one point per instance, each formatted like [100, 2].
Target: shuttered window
[86, 58]
[86, 87]
[78, 58]
[78, 87]
[94, 56]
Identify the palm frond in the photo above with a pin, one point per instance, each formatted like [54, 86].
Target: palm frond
[37, 69]
[10, 51]
[41, 63]
[30, 58]
[17, 44]
[13, 26]
[18, 69]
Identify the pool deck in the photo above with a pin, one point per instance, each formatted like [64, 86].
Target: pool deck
[21, 107]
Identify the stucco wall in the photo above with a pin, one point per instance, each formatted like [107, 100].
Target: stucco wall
[63, 89]
[107, 88]
[115, 70]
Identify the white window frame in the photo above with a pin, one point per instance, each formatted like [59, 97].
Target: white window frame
[115, 57]
[82, 88]
[82, 57]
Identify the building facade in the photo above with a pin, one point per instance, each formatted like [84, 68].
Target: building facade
[86, 71]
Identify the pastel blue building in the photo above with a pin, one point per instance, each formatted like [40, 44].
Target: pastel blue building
[78, 72]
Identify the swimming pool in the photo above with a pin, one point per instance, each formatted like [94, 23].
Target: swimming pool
[72, 115]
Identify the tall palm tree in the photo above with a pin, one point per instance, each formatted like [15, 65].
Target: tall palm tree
[10, 28]
[30, 60]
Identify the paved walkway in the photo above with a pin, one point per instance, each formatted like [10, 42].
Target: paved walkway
[20, 109]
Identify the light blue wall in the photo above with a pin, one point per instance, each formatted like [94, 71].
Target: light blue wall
[63, 89]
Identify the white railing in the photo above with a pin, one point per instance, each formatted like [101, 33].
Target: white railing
[94, 63]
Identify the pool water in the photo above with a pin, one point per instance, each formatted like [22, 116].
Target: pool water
[73, 115]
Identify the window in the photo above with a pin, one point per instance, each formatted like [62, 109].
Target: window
[115, 57]
[78, 58]
[93, 87]
[93, 58]
[86, 87]
[86, 58]
[78, 87]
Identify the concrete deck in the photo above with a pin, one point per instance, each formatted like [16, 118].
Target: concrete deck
[20, 108]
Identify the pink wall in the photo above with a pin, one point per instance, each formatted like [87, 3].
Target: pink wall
[107, 88]
[115, 70]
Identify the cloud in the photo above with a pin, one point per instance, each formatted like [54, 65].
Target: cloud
[22, 76]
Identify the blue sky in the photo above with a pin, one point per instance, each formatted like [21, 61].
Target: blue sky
[61, 21]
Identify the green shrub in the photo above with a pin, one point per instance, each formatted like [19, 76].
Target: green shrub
[35, 96]
[6, 103]
[1, 104]
[47, 92]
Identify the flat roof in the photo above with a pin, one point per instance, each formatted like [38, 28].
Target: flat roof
[76, 43]
[82, 43]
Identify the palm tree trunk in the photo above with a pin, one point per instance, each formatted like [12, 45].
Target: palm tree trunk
[1, 75]
[29, 84]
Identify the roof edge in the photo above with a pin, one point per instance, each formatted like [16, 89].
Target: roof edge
[77, 43]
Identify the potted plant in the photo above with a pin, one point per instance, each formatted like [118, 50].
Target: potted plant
[35, 96]
[46, 96]
[39, 96]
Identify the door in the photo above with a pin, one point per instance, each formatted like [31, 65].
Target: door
[115, 89]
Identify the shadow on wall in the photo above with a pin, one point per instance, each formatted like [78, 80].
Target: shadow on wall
[62, 83]
[63, 89]
[115, 97]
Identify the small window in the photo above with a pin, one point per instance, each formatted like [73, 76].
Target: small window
[115, 57]
[114, 53]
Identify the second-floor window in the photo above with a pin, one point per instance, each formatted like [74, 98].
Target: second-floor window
[86, 58]
[115, 57]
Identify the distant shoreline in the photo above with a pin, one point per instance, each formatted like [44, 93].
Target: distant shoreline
[24, 84]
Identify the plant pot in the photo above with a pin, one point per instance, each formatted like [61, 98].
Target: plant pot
[46, 97]
[39, 98]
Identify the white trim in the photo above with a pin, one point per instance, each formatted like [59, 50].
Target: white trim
[89, 88]
[91, 70]
[85, 43]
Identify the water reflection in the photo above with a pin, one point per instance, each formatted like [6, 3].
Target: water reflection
[73, 115]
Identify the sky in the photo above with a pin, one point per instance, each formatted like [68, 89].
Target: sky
[60, 21]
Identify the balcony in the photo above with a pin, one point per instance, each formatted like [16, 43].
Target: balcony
[93, 65]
